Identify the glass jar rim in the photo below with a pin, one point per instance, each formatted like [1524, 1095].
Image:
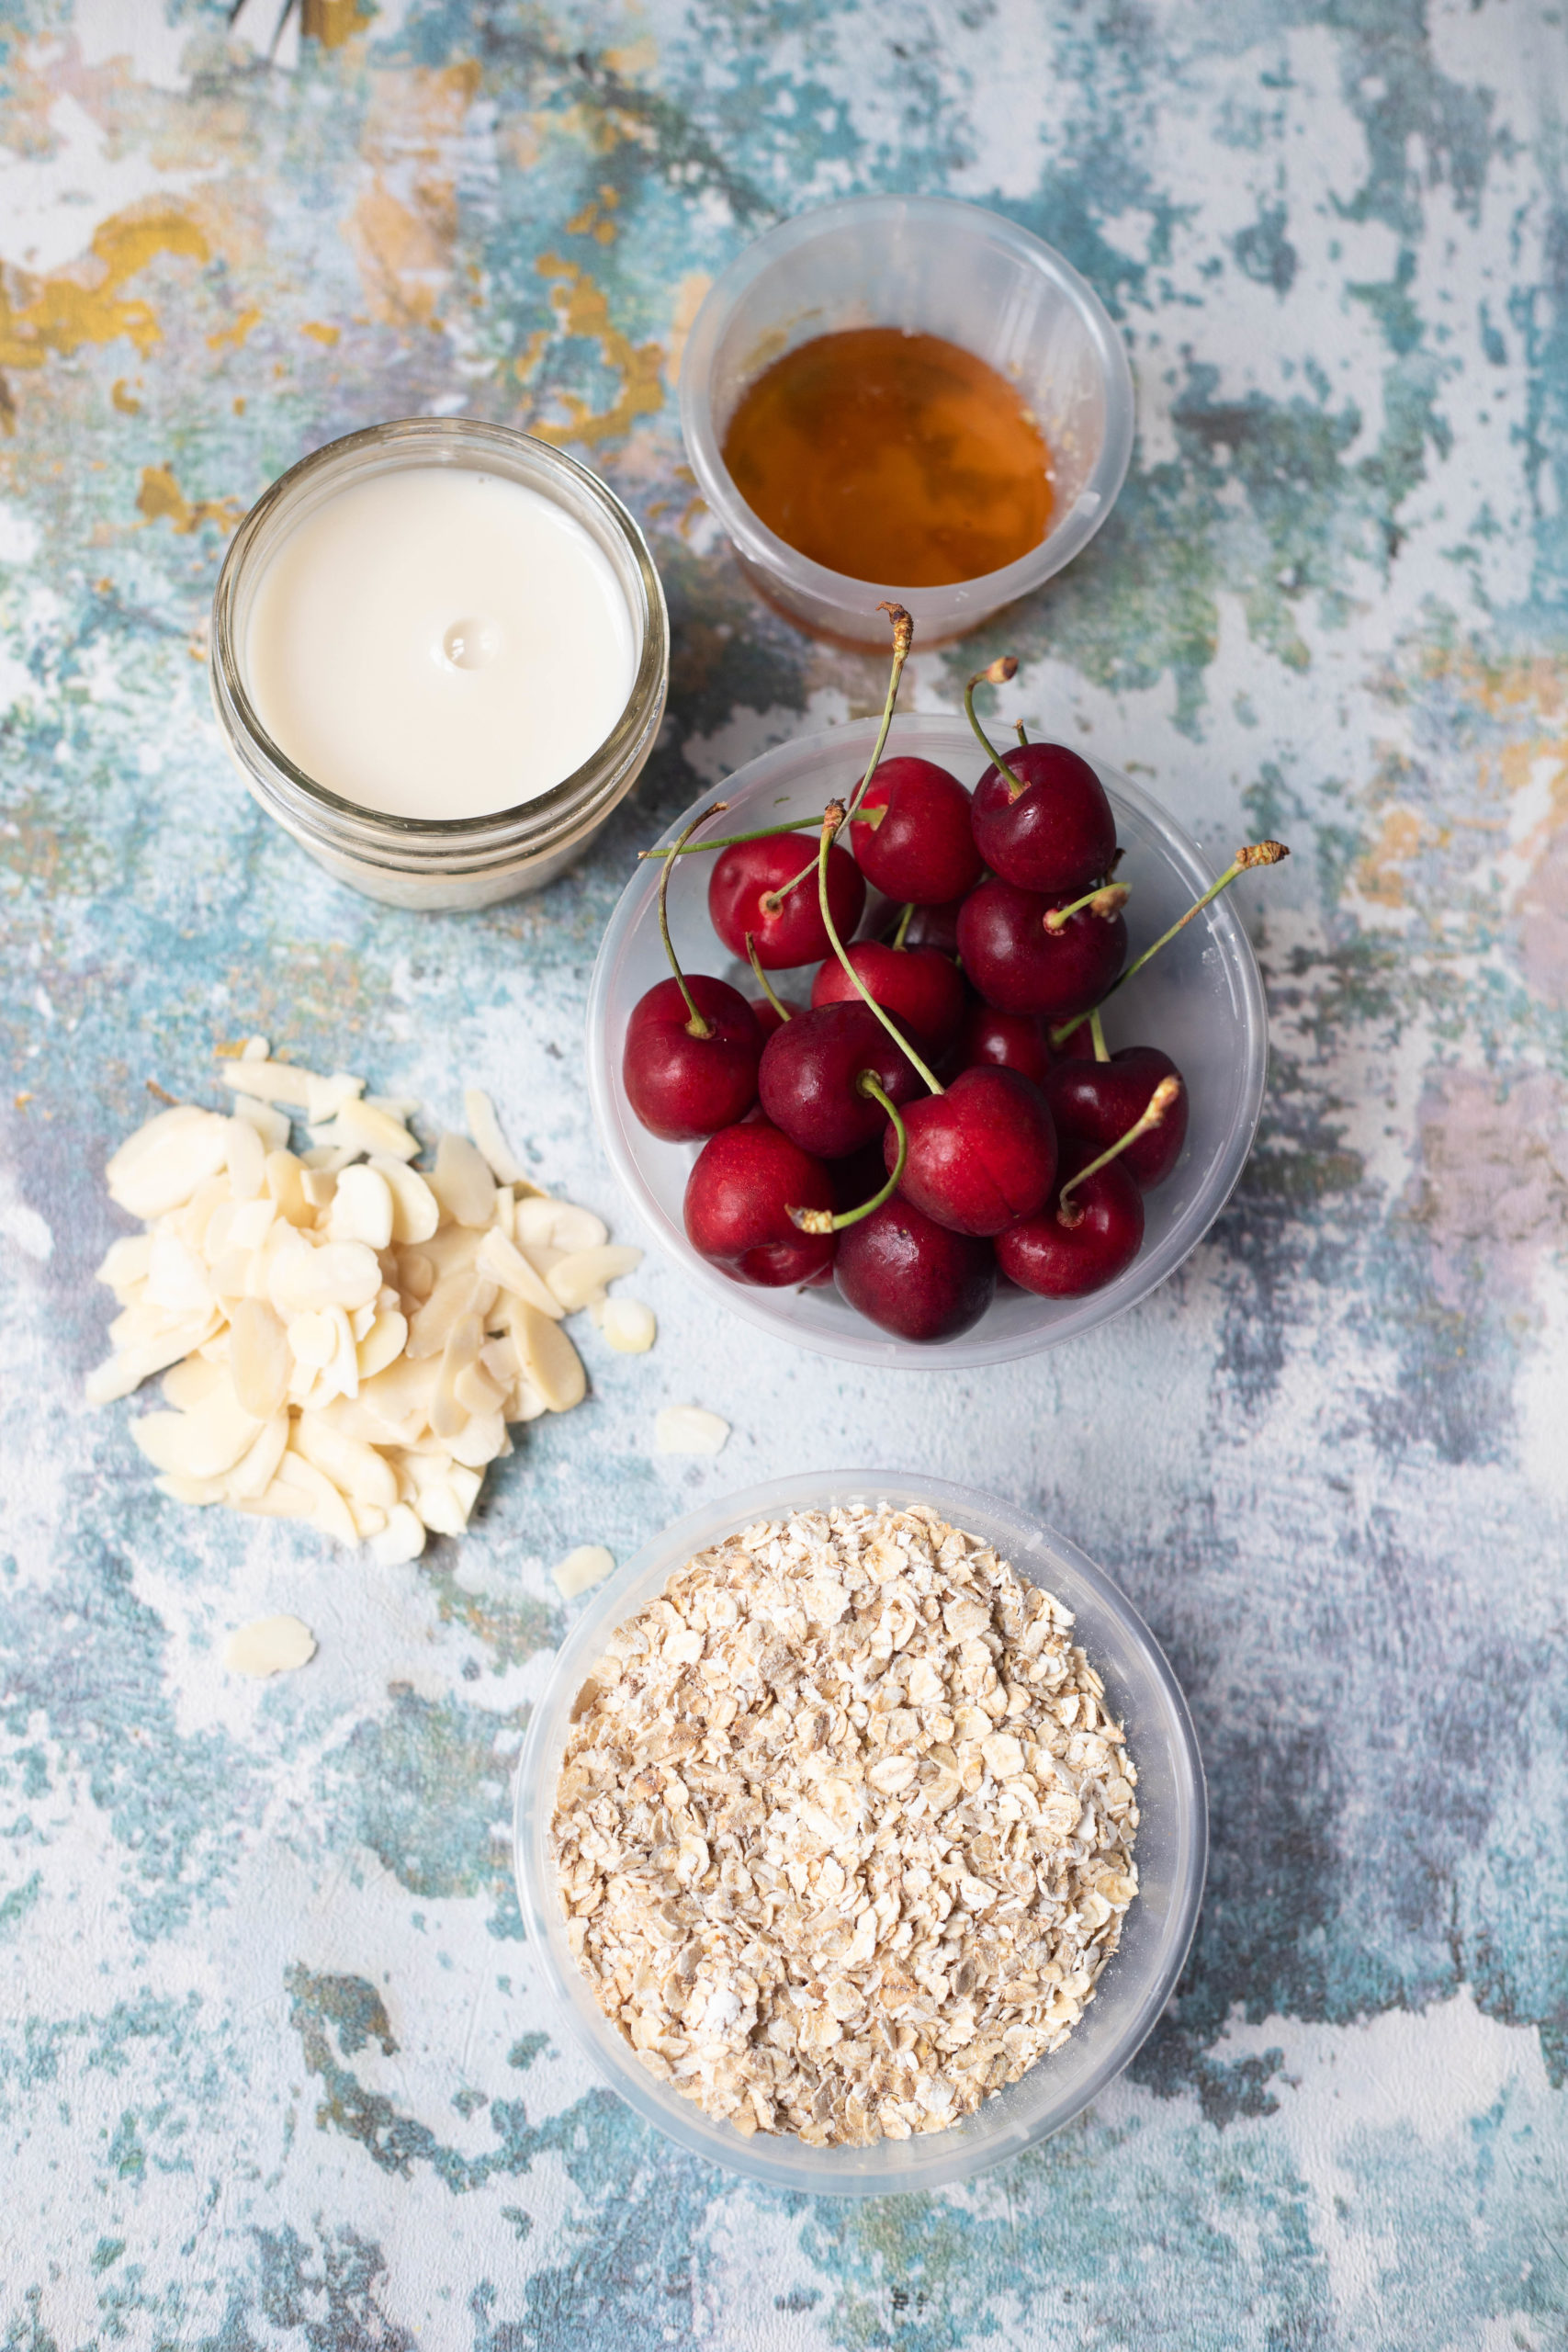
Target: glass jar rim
[429, 440]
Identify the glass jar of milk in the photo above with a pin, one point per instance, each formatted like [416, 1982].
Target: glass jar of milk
[439, 659]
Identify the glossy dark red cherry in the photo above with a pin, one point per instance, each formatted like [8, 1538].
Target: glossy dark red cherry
[1096, 1103]
[1077, 1047]
[792, 931]
[768, 1016]
[981, 1155]
[1047, 826]
[922, 848]
[738, 1196]
[1063, 1260]
[682, 1086]
[1020, 967]
[922, 989]
[1004, 1041]
[807, 1079]
[909, 1274]
[932, 926]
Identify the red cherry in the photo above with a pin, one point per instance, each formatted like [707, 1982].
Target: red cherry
[981, 1155]
[907, 1274]
[1059, 1261]
[922, 849]
[682, 1086]
[738, 1196]
[791, 930]
[1006, 1041]
[857, 1177]
[933, 927]
[1020, 967]
[921, 988]
[1096, 1103]
[768, 1016]
[807, 1079]
[1047, 826]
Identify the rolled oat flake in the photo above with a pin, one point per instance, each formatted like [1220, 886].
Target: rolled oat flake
[843, 1829]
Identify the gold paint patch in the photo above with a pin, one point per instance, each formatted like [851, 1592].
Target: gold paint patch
[160, 496]
[582, 309]
[80, 303]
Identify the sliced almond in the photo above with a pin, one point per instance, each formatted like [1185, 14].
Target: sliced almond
[361, 1208]
[383, 1344]
[504, 1263]
[126, 1260]
[271, 1126]
[244, 1156]
[269, 1645]
[690, 1428]
[461, 1293]
[259, 1357]
[480, 1440]
[401, 1539]
[365, 1127]
[270, 1081]
[461, 1181]
[416, 1213]
[177, 1275]
[338, 1273]
[188, 1382]
[582, 1569]
[325, 1097]
[560, 1225]
[628, 1325]
[255, 1469]
[485, 1128]
[463, 1344]
[286, 1184]
[581, 1276]
[165, 1162]
[356, 1470]
[328, 1509]
[549, 1360]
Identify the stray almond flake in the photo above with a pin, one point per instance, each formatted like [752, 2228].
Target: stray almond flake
[269, 1645]
[690, 1428]
[768, 1881]
[581, 1570]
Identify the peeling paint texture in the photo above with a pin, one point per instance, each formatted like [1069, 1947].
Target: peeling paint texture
[275, 2069]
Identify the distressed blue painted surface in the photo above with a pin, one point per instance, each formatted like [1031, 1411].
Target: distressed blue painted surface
[272, 2067]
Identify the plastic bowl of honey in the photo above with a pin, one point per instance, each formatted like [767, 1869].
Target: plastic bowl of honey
[898, 385]
[1201, 999]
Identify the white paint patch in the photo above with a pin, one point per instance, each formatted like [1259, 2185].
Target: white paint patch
[135, 32]
[1540, 1388]
[50, 207]
[18, 536]
[747, 733]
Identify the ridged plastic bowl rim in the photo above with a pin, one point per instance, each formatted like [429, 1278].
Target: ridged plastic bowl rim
[1148, 1699]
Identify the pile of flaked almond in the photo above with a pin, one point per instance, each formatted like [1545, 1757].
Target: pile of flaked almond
[843, 1827]
[343, 1338]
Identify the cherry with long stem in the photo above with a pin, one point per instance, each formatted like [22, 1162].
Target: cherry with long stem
[1107, 898]
[903, 637]
[697, 1025]
[832, 821]
[829, 1221]
[1254, 853]
[999, 673]
[1166, 1093]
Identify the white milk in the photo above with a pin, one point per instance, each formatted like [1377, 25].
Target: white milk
[439, 643]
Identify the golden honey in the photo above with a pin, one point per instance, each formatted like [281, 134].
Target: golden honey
[899, 459]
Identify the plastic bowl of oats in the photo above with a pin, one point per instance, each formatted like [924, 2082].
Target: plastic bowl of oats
[859, 1832]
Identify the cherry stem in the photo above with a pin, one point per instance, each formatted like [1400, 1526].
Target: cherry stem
[825, 1220]
[999, 673]
[696, 1027]
[1159, 1103]
[1255, 853]
[903, 924]
[762, 980]
[1107, 898]
[1022, 734]
[832, 817]
[684, 848]
[1097, 1033]
[903, 637]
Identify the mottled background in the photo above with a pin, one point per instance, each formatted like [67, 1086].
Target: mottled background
[272, 2068]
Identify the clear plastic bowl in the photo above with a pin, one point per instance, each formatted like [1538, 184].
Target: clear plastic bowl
[1170, 1852]
[1201, 999]
[931, 265]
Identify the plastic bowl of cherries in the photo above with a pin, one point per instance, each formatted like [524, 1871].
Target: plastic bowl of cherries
[911, 1073]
